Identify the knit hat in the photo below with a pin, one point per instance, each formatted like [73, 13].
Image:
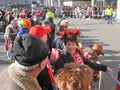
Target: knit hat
[24, 23]
[29, 50]
[39, 31]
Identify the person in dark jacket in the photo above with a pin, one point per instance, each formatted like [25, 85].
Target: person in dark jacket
[51, 36]
[30, 55]
[72, 54]
[58, 40]
[45, 78]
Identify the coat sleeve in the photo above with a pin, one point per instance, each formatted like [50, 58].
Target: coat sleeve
[95, 66]
[58, 64]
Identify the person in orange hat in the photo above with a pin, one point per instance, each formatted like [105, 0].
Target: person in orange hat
[45, 78]
[40, 32]
[51, 35]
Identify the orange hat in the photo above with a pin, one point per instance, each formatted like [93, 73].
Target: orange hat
[39, 31]
[97, 48]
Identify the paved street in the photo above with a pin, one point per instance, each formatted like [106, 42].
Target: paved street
[98, 31]
[4, 62]
[93, 31]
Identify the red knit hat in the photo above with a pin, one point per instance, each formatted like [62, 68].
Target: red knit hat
[39, 31]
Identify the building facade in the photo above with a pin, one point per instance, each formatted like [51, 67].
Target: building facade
[118, 11]
[6, 4]
[104, 3]
[77, 3]
[53, 2]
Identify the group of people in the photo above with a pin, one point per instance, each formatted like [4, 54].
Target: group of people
[48, 57]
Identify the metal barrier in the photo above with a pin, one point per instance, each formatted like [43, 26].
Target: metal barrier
[113, 77]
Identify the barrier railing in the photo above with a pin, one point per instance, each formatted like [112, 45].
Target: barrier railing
[113, 77]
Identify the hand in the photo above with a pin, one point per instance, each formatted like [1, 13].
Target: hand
[110, 70]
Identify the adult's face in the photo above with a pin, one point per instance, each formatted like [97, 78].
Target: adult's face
[41, 66]
[15, 24]
[66, 25]
[71, 47]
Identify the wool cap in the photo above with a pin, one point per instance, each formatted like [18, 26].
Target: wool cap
[39, 31]
[29, 50]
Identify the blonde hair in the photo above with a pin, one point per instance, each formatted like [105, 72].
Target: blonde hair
[74, 77]
[63, 22]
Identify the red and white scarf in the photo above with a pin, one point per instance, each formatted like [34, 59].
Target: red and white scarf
[77, 58]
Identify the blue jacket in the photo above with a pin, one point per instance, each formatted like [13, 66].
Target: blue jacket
[23, 31]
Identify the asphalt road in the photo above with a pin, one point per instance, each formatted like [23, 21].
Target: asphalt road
[93, 31]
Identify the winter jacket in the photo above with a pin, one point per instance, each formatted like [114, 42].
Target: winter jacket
[13, 78]
[23, 31]
[67, 58]
[44, 80]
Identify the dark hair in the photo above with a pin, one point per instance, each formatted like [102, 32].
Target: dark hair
[59, 29]
[22, 15]
[32, 21]
[38, 22]
[70, 37]
[50, 19]
[46, 22]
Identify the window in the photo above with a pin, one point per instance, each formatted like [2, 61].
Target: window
[76, 0]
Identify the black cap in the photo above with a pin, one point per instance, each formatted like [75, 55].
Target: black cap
[29, 50]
